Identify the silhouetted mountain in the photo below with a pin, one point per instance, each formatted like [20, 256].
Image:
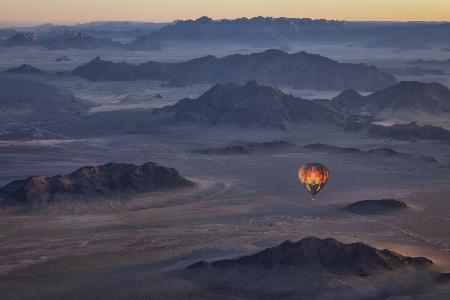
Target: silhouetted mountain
[375, 206]
[25, 69]
[22, 39]
[104, 180]
[410, 131]
[407, 95]
[272, 67]
[313, 252]
[250, 105]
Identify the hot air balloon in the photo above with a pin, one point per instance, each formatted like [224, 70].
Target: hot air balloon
[313, 176]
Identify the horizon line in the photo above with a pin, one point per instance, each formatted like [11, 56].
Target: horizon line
[20, 24]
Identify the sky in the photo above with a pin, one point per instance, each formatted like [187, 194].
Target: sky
[22, 12]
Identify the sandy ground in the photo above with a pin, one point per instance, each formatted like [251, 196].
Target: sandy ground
[241, 204]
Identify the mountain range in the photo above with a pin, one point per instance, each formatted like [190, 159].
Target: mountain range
[272, 67]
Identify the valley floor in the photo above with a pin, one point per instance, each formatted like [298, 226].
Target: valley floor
[128, 248]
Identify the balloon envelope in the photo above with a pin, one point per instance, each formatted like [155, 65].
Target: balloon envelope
[313, 177]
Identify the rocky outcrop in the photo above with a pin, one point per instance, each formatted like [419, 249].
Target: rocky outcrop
[329, 254]
[272, 67]
[250, 105]
[376, 206]
[92, 181]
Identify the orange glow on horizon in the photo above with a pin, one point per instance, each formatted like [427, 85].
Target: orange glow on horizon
[73, 11]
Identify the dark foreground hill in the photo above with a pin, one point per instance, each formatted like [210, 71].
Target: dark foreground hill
[330, 254]
[250, 105]
[315, 268]
[92, 181]
[272, 67]
[408, 95]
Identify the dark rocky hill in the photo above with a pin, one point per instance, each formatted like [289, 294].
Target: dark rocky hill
[376, 206]
[92, 181]
[272, 67]
[313, 252]
[250, 105]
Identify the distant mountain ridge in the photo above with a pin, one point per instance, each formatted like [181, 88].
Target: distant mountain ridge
[271, 67]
